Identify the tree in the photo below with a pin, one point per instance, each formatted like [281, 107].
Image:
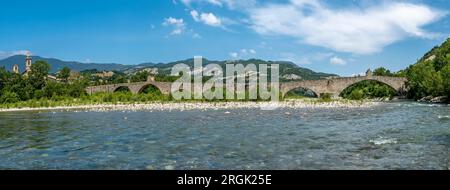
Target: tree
[382, 72]
[76, 89]
[38, 74]
[357, 94]
[9, 97]
[53, 89]
[445, 75]
[64, 74]
[424, 81]
[368, 89]
[430, 75]
[4, 77]
[118, 78]
[140, 76]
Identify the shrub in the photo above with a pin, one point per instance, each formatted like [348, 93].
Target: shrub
[9, 97]
[326, 96]
[356, 95]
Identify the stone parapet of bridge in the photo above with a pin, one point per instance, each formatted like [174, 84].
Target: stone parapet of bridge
[325, 86]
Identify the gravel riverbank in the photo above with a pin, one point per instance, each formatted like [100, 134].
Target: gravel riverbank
[167, 106]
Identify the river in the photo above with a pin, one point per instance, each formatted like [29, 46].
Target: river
[396, 135]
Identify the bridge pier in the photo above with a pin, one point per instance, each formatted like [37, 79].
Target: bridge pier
[134, 89]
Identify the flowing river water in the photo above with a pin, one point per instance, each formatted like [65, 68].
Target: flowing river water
[396, 135]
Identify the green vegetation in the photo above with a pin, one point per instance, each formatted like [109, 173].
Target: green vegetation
[64, 74]
[139, 76]
[372, 89]
[326, 97]
[368, 90]
[36, 85]
[11, 100]
[430, 76]
[381, 71]
[300, 93]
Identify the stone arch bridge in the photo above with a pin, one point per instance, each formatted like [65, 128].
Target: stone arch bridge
[335, 86]
[324, 86]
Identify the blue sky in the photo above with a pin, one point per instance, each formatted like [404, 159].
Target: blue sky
[343, 37]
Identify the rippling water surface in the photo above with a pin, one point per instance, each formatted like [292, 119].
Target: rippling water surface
[402, 135]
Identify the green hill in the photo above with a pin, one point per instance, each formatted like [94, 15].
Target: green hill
[57, 64]
[288, 70]
[430, 76]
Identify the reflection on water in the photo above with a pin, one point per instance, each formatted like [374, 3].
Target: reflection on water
[390, 136]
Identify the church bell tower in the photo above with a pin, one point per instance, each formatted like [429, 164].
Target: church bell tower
[16, 69]
[28, 62]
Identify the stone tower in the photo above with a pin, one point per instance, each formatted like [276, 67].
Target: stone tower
[28, 62]
[369, 73]
[16, 69]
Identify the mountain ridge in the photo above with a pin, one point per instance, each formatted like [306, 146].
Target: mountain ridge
[286, 68]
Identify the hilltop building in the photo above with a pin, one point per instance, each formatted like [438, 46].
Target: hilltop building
[104, 74]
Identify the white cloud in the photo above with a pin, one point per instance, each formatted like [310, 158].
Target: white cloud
[337, 61]
[243, 54]
[235, 4]
[292, 57]
[210, 19]
[305, 59]
[206, 18]
[234, 55]
[174, 21]
[215, 2]
[361, 31]
[6, 54]
[178, 25]
[195, 15]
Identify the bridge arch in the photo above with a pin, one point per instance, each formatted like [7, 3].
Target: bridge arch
[121, 89]
[395, 83]
[150, 86]
[317, 86]
[342, 92]
[307, 92]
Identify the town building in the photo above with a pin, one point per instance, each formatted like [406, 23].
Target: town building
[104, 74]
